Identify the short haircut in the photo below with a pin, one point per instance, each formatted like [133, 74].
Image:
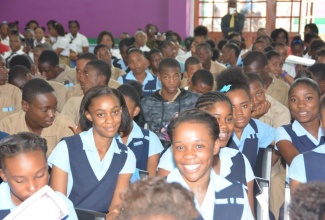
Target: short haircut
[234, 47]
[126, 42]
[17, 72]
[255, 56]
[134, 50]
[153, 51]
[87, 56]
[100, 46]
[316, 44]
[253, 77]
[165, 43]
[308, 202]
[169, 63]
[22, 60]
[99, 91]
[74, 22]
[101, 36]
[35, 87]
[313, 27]
[191, 61]
[203, 76]
[265, 37]
[22, 142]
[201, 31]
[258, 42]
[195, 116]
[44, 46]
[50, 57]
[207, 99]
[234, 77]
[102, 68]
[271, 54]
[155, 197]
[318, 70]
[204, 44]
[276, 32]
[233, 34]
[305, 81]
[131, 92]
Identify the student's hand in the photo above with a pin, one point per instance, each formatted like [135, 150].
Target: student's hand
[73, 55]
[112, 214]
[75, 129]
[261, 109]
[34, 69]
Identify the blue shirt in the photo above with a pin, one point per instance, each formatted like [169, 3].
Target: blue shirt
[155, 146]
[265, 135]
[281, 134]
[217, 183]
[297, 169]
[7, 203]
[149, 77]
[60, 158]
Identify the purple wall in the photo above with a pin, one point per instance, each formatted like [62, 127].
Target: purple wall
[116, 16]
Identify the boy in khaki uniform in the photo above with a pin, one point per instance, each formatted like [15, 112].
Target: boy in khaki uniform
[82, 60]
[20, 75]
[192, 64]
[38, 115]
[48, 65]
[10, 95]
[98, 73]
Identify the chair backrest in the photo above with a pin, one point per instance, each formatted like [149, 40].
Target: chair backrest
[84, 214]
[263, 164]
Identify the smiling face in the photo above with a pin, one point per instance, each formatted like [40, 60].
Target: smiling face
[257, 93]
[25, 173]
[241, 107]
[304, 104]
[105, 113]
[274, 66]
[223, 113]
[193, 150]
[40, 113]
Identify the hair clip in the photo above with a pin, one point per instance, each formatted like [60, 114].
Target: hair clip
[297, 41]
[225, 88]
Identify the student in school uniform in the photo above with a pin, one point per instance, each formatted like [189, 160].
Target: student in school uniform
[164, 104]
[20, 75]
[195, 141]
[10, 95]
[103, 52]
[15, 46]
[95, 179]
[230, 55]
[122, 63]
[95, 73]
[168, 50]
[24, 170]
[144, 143]
[38, 114]
[249, 134]
[192, 64]
[201, 82]
[138, 65]
[256, 62]
[48, 65]
[78, 42]
[154, 57]
[204, 53]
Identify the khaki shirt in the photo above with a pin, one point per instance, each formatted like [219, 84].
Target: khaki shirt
[116, 72]
[277, 115]
[67, 74]
[279, 91]
[53, 134]
[216, 69]
[10, 97]
[60, 91]
[71, 108]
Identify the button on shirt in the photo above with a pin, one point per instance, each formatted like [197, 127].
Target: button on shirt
[60, 158]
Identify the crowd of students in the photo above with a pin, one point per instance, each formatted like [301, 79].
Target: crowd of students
[196, 115]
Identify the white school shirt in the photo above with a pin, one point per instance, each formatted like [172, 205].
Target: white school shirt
[60, 158]
[78, 42]
[217, 183]
[167, 163]
[62, 43]
[155, 146]
[7, 203]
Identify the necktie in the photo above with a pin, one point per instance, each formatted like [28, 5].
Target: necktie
[232, 23]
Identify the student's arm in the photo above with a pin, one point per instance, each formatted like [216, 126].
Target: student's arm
[152, 164]
[297, 173]
[58, 50]
[294, 184]
[163, 172]
[59, 180]
[288, 78]
[250, 194]
[122, 183]
[287, 150]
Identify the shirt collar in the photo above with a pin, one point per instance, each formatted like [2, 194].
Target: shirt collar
[301, 131]
[5, 200]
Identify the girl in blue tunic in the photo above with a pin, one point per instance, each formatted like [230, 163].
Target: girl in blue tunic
[93, 167]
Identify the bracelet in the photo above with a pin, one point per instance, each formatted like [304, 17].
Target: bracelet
[284, 73]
